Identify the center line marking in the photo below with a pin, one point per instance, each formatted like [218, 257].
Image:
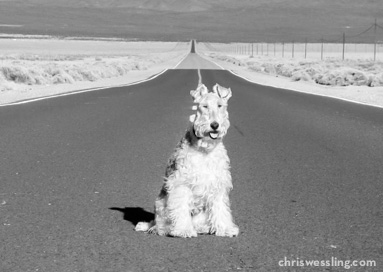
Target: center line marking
[199, 77]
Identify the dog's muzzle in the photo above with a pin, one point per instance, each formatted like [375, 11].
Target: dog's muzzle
[214, 134]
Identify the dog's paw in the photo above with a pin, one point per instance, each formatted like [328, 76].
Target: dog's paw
[183, 233]
[232, 231]
[143, 226]
[203, 229]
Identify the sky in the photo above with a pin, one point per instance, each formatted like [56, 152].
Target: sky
[205, 20]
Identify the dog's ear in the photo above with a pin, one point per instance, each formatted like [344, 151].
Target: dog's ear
[224, 93]
[199, 92]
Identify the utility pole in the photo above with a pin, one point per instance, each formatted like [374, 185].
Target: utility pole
[274, 48]
[321, 50]
[344, 44]
[292, 50]
[375, 25]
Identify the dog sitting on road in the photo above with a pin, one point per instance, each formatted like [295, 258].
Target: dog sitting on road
[195, 196]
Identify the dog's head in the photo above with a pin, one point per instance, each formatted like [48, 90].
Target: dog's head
[212, 119]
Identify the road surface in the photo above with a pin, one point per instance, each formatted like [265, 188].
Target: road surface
[79, 171]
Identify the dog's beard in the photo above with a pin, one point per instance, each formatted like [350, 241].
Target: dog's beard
[207, 133]
[202, 128]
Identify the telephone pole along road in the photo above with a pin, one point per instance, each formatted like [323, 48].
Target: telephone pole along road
[79, 171]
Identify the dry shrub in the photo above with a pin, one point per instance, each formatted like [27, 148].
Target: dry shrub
[57, 69]
[301, 76]
[343, 77]
[17, 74]
[332, 72]
[62, 77]
[6, 85]
[269, 68]
[256, 67]
[376, 80]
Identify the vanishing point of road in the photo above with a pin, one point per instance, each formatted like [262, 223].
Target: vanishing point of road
[78, 172]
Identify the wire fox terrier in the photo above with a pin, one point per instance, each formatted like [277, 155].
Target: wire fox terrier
[195, 195]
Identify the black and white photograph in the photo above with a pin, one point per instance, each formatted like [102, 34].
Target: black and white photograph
[191, 135]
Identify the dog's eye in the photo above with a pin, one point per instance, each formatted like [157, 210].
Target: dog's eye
[205, 106]
[219, 106]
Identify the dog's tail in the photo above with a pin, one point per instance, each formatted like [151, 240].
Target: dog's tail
[146, 226]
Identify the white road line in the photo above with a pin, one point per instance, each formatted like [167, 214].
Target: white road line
[296, 90]
[81, 91]
[199, 77]
[89, 90]
[214, 63]
[199, 81]
[175, 67]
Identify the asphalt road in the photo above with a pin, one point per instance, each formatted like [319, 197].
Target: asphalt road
[79, 171]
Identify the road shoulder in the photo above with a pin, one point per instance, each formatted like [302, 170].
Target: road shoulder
[372, 96]
[33, 92]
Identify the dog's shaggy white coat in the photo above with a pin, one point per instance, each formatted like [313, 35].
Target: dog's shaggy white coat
[195, 195]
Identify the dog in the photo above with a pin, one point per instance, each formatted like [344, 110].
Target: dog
[194, 198]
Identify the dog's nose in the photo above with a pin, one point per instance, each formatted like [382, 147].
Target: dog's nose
[214, 125]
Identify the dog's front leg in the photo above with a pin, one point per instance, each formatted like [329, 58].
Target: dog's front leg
[220, 216]
[178, 205]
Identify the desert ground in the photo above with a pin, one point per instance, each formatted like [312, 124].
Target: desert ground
[358, 78]
[32, 68]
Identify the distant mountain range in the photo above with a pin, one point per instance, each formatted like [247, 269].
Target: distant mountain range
[207, 20]
[155, 5]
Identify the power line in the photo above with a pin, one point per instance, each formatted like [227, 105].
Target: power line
[357, 35]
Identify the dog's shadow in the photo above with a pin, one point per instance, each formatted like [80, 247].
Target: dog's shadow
[134, 214]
